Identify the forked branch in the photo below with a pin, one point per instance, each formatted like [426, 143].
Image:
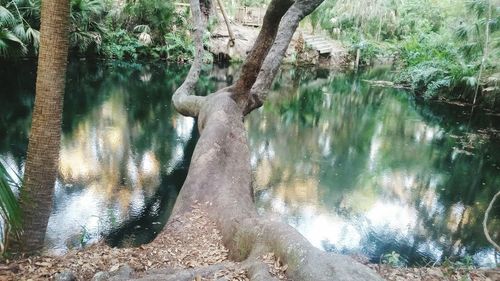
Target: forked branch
[264, 41]
[183, 99]
[272, 62]
[280, 22]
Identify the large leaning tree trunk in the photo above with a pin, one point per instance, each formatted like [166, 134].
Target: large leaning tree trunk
[43, 148]
[220, 171]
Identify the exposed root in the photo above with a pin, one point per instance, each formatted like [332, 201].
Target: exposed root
[276, 268]
[485, 222]
[258, 270]
[200, 273]
[294, 257]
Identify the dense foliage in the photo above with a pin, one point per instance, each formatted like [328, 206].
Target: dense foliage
[19, 25]
[111, 29]
[444, 48]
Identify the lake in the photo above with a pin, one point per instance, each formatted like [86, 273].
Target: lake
[357, 169]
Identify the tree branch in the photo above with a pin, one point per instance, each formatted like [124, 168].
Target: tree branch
[260, 49]
[183, 99]
[272, 62]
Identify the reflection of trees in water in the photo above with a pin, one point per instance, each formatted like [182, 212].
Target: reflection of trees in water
[331, 146]
[124, 143]
[350, 152]
[470, 174]
[123, 146]
[17, 95]
[121, 141]
[143, 226]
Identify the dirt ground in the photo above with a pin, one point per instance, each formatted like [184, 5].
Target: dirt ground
[435, 273]
[197, 246]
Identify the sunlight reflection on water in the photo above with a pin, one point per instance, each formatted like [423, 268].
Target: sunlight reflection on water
[356, 169]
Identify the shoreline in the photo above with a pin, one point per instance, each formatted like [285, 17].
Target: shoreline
[195, 251]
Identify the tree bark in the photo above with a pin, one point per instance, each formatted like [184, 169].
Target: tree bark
[272, 62]
[220, 174]
[183, 99]
[43, 148]
[264, 41]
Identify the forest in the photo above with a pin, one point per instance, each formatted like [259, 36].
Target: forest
[249, 140]
[444, 49]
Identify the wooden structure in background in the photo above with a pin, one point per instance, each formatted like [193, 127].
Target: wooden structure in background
[322, 44]
[250, 16]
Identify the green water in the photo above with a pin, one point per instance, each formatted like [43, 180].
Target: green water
[355, 168]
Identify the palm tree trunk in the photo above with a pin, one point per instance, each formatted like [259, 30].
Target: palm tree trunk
[43, 148]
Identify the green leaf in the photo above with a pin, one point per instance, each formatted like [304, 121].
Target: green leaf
[20, 32]
[10, 45]
[33, 36]
[9, 206]
[6, 17]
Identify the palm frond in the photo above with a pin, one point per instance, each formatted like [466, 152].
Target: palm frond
[83, 39]
[94, 6]
[87, 7]
[10, 45]
[470, 81]
[20, 32]
[33, 37]
[471, 49]
[462, 32]
[6, 17]
[30, 9]
[494, 24]
[10, 210]
[479, 7]
[142, 28]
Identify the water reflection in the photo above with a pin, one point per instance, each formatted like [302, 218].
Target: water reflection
[359, 169]
[356, 169]
[123, 157]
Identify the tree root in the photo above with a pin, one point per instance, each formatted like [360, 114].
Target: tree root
[189, 274]
[485, 222]
[257, 270]
[304, 261]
